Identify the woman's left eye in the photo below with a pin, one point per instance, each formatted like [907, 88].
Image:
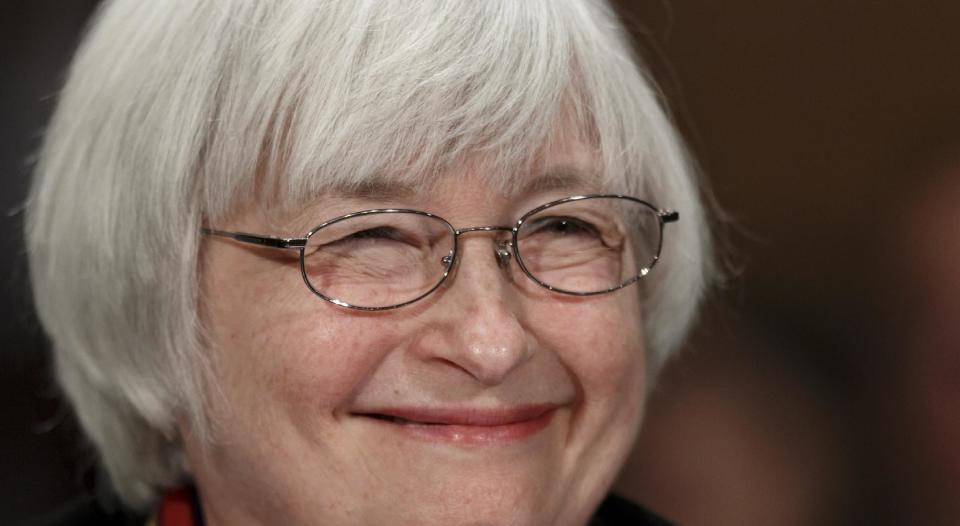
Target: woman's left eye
[564, 226]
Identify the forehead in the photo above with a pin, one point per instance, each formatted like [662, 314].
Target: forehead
[568, 168]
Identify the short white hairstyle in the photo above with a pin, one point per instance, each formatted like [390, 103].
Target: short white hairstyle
[177, 112]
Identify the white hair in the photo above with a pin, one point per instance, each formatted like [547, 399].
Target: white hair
[177, 112]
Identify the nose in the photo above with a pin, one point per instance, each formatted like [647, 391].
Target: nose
[480, 329]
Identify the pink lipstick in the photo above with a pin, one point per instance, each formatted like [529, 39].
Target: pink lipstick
[466, 425]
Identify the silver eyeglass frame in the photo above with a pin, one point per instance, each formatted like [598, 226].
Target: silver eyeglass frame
[504, 249]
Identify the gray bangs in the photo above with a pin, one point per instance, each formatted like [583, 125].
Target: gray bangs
[374, 92]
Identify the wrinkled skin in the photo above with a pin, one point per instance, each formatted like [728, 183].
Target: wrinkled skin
[294, 374]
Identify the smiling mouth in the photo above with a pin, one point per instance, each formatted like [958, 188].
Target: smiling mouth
[465, 426]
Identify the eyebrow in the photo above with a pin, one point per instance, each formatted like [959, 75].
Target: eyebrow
[376, 190]
[560, 177]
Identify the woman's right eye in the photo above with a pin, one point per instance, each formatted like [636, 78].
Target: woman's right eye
[372, 234]
[369, 238]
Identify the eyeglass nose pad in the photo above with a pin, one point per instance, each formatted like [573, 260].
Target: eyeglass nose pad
[447, 260]
[502, 253]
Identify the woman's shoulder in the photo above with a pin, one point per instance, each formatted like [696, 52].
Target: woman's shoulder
[616, 510]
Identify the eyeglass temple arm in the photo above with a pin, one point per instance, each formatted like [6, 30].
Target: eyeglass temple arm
[264, 241]
[668, 216]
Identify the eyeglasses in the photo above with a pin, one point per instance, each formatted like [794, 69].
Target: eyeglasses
[387, 258]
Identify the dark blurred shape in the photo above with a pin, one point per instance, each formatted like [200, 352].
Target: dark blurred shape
[814, 122]
[42, 461]
[918, 388]
[740, 433]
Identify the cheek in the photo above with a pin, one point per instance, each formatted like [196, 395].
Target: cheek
[277, 348]
[600, 340]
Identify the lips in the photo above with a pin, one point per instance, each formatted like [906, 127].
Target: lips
[464, 425]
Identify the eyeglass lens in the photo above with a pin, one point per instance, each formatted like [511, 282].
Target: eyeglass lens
[383, 259]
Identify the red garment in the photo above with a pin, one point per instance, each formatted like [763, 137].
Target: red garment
[177, 509]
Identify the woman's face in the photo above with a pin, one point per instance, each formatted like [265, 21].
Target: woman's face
[491, 401]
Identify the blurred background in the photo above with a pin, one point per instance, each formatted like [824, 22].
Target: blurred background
[822, 384]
